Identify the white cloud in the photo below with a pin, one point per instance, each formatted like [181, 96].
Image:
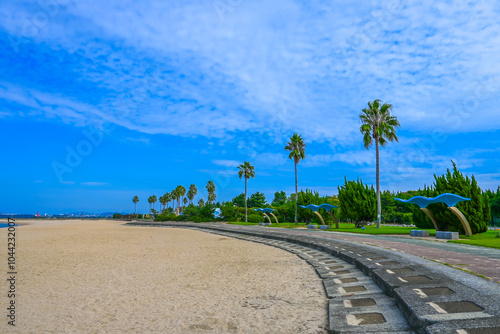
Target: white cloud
[270, 160]
[177, 68]
[227, 163]
[350, 157]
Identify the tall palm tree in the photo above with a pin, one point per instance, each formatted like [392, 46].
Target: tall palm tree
[246, 170]
[154, 200]
[211, 191]
[163, 201]
[173, 193]
[179, 192]
[378, 124]
[192, 192]
[135, 200]
[185, 201]
[150, 200]
[182, 191]
[167, 199]
[297, 148]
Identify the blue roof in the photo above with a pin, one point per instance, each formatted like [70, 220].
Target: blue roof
[449, 199]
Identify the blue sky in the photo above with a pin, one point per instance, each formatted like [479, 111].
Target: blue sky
[104, 100]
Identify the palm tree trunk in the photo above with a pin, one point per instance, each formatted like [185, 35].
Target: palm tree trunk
[379, 208]
[246, 212]
[135, 207]
[296, 194]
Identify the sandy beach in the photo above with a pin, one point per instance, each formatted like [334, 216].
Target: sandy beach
[102, 277]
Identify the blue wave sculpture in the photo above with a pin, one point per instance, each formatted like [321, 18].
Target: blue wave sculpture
[449, 199]
[265, 210]
[315, 208]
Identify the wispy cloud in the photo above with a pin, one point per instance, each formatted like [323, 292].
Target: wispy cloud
[93, 184]
[227, 163]
[267, 65]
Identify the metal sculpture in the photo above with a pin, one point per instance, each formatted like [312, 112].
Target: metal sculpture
[449, 199]
[270, 211]
[328, 208]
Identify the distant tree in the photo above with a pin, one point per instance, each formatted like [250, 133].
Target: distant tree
[154, 200]
[239, 200]
[150, 201]
[247, 171]
[182, 192]
[211, 191]
[163, 201]
[192, 192]
[494, 199]
[179, 191]
[257, 200]
[297, 148]
[185, 201]
[135, 200]
[173, 197]
[201, 202]
[378, 124]
[170, 197]
[279, 198]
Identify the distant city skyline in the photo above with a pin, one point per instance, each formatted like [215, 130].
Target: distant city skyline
[102, 101]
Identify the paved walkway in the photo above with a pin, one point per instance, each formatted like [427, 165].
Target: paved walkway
[479, 260]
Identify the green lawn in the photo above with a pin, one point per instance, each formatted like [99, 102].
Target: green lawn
[384, 229]
[346, 227]
[486, 239]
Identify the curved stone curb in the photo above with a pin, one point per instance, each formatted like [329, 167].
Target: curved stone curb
[429, 300]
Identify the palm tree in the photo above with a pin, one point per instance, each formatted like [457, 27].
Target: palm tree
[154, 200]
[192, 192]
[211, 191]
[378, 124]
[150, 200]
[135, 200]
[201, 202]
[185, 201]
[297, 149]
[170, 197]
[179, 191]
[173, 195]
[182, 191]
[246, 170]
[163, 201]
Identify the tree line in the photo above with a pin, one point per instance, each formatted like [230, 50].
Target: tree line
[358, 202]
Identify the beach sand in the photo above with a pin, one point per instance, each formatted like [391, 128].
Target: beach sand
[102, 277]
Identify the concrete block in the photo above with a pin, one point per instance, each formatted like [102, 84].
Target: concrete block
[312, 226]
[447, 235]
[415, 276]
[442, 302]
[474, 326]
[368, 264]
[421, 233]
[324, 227]
[381, 318]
